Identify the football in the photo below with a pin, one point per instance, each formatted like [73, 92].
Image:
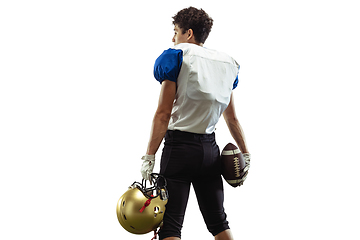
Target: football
[232, 164]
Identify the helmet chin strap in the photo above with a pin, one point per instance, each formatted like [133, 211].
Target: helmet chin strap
[147, 203]
[156, 233]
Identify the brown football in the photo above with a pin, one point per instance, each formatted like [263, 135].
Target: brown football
[232, 162]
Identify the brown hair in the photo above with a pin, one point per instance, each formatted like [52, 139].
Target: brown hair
[197, 20]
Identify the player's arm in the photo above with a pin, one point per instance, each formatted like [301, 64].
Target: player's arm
[162, 116]
[234, 126]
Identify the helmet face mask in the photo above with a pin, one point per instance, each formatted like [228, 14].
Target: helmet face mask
[141, 210]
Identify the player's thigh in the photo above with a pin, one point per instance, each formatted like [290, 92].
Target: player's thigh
[209, 193]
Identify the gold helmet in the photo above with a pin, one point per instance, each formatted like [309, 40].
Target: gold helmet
[141, 210]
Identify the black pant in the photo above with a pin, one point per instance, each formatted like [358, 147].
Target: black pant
[192, 158]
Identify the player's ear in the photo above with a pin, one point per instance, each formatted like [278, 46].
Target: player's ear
[190, 33]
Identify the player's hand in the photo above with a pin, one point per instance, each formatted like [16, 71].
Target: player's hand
[246, 157]
[148, 166]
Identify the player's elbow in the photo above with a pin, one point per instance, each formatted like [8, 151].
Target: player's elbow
[162, 116]
[230, 118]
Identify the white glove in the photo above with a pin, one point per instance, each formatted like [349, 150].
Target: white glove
[147, 166]
[246, 157]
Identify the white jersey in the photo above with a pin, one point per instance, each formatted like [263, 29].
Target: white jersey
[205, 79]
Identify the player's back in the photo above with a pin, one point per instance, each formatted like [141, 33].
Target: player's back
[205, 80]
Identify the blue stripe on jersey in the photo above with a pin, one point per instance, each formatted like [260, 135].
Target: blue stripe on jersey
[168, 64]
[236, 81]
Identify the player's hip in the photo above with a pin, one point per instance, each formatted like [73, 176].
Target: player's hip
[190, 154]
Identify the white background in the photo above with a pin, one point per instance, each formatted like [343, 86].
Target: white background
[77, 97]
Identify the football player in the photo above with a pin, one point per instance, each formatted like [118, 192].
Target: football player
[196, 89]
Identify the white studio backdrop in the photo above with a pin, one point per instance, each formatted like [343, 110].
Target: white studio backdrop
[77, 97]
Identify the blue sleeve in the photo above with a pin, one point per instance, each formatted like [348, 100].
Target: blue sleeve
[168, 64]
[236, 81]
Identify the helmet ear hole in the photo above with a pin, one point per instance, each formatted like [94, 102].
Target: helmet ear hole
[156, 209]
[125, 217]
[123, 204]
